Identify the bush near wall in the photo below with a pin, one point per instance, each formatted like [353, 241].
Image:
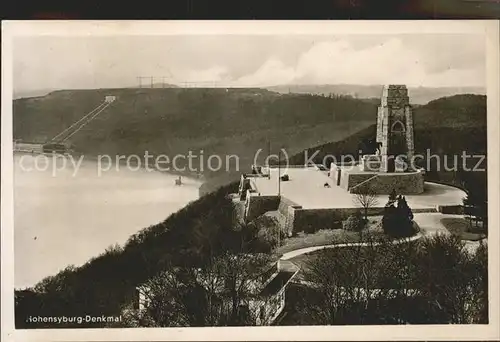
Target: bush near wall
[354, 222]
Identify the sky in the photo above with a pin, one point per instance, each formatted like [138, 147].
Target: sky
[431, 60]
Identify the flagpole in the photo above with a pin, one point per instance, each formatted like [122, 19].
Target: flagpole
[279, 172]
[268, 156]
[279, 187]
[279, 190]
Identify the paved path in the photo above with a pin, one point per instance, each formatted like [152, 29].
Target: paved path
[297, 252]
[306, 188]
[429, 223]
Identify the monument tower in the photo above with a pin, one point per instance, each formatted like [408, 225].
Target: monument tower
[387, 170]
[394, 127]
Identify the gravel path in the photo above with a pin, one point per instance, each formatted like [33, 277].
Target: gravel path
[429, 223]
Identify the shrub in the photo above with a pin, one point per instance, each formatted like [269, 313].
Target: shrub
[263, 234]
[310, 228]
[354, 222]
[398, 221]
[337, 225]
[392, 196]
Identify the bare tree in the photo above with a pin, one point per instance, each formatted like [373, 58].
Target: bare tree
[342, 280]
[453, 280]
[209, 296]
[433, 281]
[168, 296]
[241, 271]
[366, 199]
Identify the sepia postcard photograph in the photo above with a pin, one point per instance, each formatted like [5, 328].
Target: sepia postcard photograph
[250, 181]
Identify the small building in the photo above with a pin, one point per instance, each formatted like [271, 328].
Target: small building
[270, 302]
[54, 147]
[109, 98]
[265, 302]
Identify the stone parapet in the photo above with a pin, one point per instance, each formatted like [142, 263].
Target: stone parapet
[410, 183]
[348, 180]
[257, 205]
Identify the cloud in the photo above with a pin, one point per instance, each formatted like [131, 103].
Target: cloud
[272, 72]
[339, 62]
[251, 60]
[212, 74]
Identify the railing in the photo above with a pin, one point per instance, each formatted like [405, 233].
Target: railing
[82, 122]
[107, 104]
[27, 147]
[86, 116]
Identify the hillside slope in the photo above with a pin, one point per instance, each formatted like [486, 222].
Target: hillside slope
[106, 283]
[225, 122]
[176, 121]
[446, 127]
[464, 110]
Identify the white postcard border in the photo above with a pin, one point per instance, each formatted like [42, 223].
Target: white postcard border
[489, 28]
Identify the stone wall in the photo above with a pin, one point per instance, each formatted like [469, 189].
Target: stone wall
[287, 210]
[283, 222]
[371, 162]
[335, 173]
[383, 184]
[294, 219]
[450, 209]
[287, 266]
[349, 180]
[285, 203]
[266, 309]
[258, 205]
[239, 210]
[312, 220]
[424, 210]
[288, 227]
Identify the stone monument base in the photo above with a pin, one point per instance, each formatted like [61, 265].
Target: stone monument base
[356, 180]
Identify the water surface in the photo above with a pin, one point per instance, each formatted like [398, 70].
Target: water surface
[67, 217]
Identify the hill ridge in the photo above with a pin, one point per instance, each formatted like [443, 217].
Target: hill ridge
[236, 121]
[418, 95]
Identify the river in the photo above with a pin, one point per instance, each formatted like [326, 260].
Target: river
[65, 217]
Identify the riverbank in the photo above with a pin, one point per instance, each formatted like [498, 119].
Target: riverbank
[133, 167]
[106, 283]
[79, 215]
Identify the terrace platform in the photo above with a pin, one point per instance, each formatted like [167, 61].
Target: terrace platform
[306, 187]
